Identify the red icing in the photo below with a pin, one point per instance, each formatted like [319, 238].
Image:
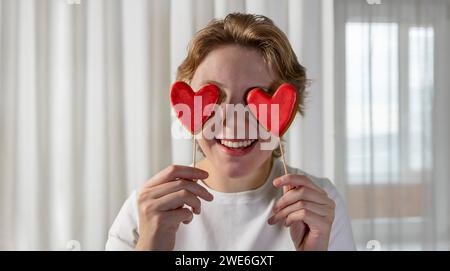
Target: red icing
[285, 97]
[182, 93]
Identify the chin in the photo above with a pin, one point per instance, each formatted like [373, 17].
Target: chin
[236, 170]
[238, 162]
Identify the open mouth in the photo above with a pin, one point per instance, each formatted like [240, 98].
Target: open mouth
[236, 146]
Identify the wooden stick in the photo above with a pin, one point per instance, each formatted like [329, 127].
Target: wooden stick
[194, 150]
[283, 159]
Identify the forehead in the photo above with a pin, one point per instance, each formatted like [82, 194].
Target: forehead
[234, 67]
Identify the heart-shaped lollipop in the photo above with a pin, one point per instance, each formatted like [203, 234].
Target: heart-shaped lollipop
[182, 95]
[286, 99]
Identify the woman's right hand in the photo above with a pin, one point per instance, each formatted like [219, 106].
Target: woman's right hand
[161, 205]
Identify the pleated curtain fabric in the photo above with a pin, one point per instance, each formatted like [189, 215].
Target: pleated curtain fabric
[392, 121]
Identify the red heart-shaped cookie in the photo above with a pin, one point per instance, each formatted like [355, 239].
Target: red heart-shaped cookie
[182, 95]
[286, 99]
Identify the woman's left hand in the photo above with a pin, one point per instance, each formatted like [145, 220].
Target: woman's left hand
[306, 209]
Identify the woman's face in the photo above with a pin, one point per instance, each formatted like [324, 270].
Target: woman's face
[235, 70]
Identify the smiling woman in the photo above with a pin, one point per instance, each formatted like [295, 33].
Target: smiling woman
[249, 205]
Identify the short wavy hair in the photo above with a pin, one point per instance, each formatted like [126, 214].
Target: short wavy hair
[254, 32]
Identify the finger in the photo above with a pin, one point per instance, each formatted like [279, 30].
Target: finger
[173, 172]
[174, 217]
[287, 188]
[181, 215]
[302, 193]
[176, 200]
[295, 180]
[308, 217]
[171, 187]
[320, 209]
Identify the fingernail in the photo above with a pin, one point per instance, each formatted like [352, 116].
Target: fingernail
[204, 175]
[270, 221]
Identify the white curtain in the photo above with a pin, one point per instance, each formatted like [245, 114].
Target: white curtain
[84, 111]
[393, 121]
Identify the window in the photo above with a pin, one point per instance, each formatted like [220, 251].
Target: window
[388, 107]
[391, 121]
[372, 109]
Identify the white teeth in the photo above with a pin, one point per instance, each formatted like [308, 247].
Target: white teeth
[239, 144]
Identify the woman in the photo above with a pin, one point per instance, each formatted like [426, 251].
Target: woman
[236, 198]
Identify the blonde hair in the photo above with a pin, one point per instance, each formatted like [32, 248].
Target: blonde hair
[250, 31]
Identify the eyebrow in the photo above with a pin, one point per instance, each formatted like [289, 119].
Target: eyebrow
[222, 85]
[212, 82]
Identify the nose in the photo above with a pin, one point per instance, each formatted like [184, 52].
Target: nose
[233, 109]
[231, 98]
[235, 120]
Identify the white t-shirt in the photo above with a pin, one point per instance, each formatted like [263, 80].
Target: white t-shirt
[235, 221]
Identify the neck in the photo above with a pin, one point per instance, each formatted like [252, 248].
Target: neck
[222, 183]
